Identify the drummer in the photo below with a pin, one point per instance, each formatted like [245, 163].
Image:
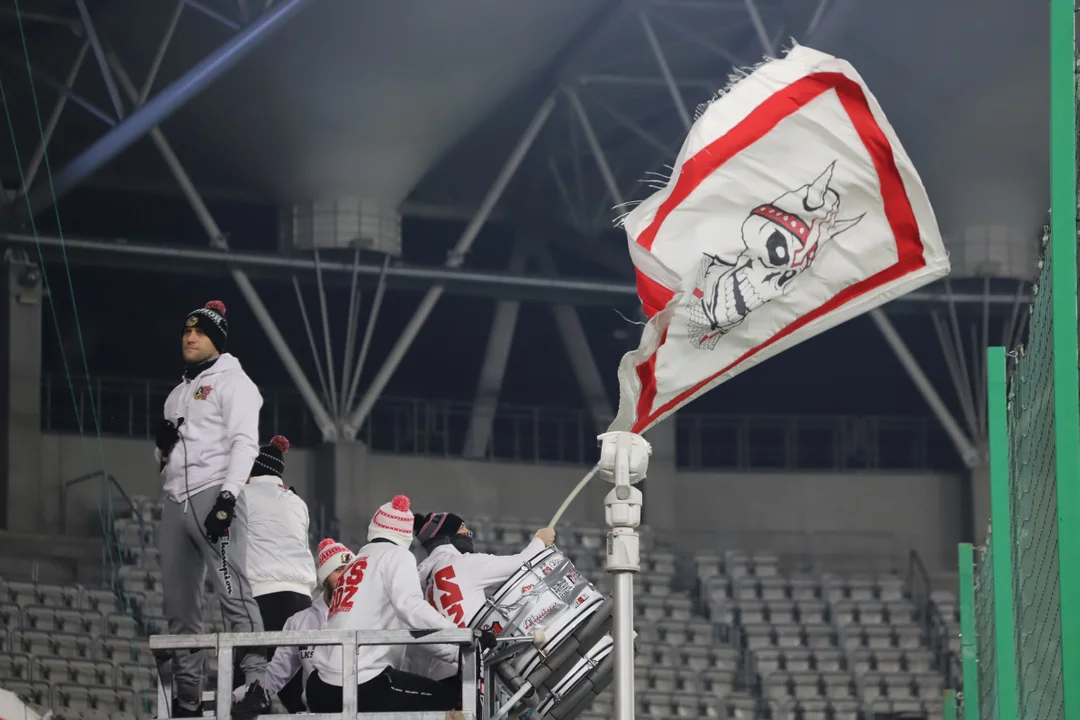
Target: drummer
[454, 578]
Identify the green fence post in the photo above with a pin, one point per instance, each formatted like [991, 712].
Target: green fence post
[1001, 535]
[1066, 383]
[950, 705]
[968, 652]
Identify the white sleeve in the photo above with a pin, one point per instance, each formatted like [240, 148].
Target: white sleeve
[403, 588]
[492, 569]
[240, 405]
[282, 668]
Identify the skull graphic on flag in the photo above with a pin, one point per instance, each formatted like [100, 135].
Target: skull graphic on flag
[791, 208]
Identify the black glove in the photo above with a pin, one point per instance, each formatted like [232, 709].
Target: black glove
[488, 640]
[220, 517]
[167, 435]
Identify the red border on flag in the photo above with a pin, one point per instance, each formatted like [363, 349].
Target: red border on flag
[763, 119]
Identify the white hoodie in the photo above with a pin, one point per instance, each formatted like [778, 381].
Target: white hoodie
[220, 435]
[278, 556]
[454, 584]
[287, 660]
[379, 590]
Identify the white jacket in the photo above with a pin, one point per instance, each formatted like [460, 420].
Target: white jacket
[454, 584]
[220, 435]
[287, 660]
[379, 590]
[278, 556]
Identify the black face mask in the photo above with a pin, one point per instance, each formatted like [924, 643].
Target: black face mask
[463, 543]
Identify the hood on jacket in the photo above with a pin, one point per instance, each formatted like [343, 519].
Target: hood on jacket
[438, 555]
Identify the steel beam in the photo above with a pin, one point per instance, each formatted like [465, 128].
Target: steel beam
[54, 119]
[580, 354]
[326, 424]
[500, 339]
[99, 55]
[36, 72]
[665, 70]
[454, 260]
[469, 282]
[759, 27]
[968, 453]
[162, 105]
[594, 146]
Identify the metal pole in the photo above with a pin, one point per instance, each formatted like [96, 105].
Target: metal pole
[665, 70]
[1001, 534]
[159, 56]
[594, 145]
[454, 260]
[350, 332]
[759, 27]
[964, 446]
[369, 331]
[622, 508]
[326, 424]
[35, 72]
[595, 289]
[54, 118]
[311, 340]
[213, 14]
[333, 399]
[166, 102]
[99, 54]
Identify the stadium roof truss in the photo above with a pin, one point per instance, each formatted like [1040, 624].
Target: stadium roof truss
[617, 104]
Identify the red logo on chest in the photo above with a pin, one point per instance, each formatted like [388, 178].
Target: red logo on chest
[203, 392]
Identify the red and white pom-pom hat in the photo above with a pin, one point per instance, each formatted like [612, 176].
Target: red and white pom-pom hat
[393, 521]
[332, 555]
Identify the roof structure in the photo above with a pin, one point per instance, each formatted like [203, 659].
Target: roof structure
[548, 113]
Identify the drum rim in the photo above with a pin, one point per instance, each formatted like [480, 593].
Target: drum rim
[562, 689]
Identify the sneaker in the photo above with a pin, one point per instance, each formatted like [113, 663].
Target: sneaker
[179, 711]
[255, 702]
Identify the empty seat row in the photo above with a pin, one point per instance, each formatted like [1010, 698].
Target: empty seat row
[678, 632]
[58, 670]
[779, 685]
[73, 597]
[850, 709]
[716, 682]
[79, 698]
[690, 658]
[82, 622]
[651, 608]
[75, 647]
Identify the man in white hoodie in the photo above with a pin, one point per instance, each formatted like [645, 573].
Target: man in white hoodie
[206, 444]
[380, 590]
[279, 562]
[454, 578]
[287, 661]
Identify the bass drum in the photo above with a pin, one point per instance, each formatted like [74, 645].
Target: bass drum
[547, 594]
[573, 664]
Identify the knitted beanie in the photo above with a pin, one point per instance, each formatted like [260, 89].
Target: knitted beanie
[271, 458]
[210, 321]
[393, 521]
[332, 555]
[435, 525]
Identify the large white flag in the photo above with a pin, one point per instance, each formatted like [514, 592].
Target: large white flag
[792, 207]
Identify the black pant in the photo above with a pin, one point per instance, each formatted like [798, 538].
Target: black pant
[275, 609]
[389, 691]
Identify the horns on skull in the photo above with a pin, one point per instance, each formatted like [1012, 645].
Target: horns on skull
[815, 193]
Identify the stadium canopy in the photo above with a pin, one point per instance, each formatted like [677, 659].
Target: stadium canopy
[546, 113]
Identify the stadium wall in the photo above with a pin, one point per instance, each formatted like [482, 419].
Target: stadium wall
[841, 513]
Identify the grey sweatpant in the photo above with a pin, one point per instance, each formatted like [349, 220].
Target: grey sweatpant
[185, 556]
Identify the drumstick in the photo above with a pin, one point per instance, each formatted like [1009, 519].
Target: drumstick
[573, 494]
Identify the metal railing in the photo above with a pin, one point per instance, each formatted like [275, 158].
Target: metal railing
[428, 427]
[349, 640]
